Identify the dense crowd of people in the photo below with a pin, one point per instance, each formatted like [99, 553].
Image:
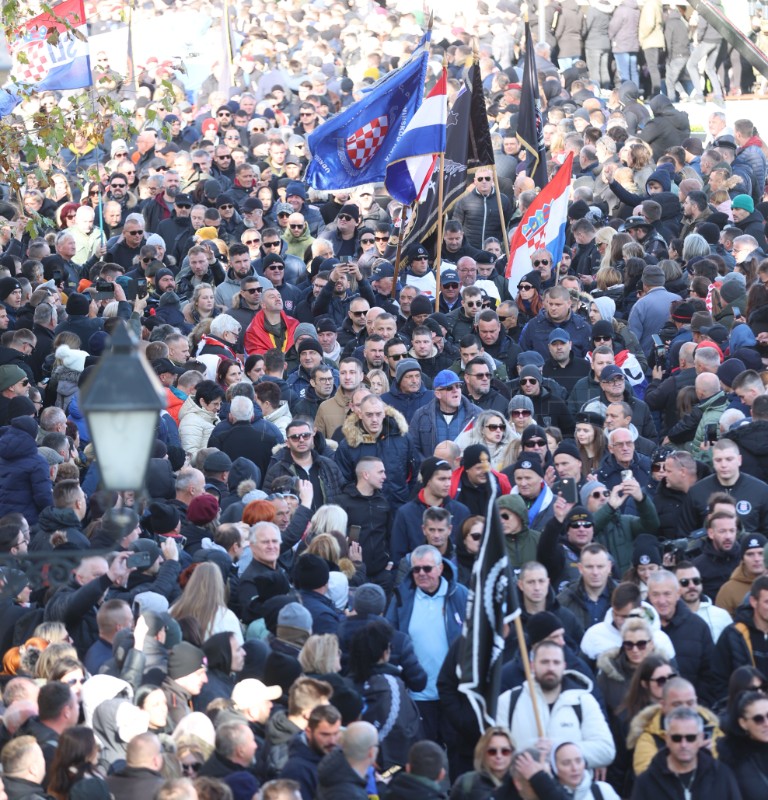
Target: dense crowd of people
[279, 615]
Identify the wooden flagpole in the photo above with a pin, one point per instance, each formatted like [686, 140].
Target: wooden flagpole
[439, 253]
[528, 675]
[501, 214]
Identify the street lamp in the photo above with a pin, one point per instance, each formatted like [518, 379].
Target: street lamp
[122, 401]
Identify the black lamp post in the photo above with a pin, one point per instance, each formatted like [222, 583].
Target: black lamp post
[122, 401]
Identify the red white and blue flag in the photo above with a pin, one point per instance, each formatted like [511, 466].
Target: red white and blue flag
[47, 56]
[542, 226]
[355, 146]
[415, 155]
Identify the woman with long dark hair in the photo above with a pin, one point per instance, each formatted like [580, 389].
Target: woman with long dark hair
[387, 704]
[744, 748]
[77, 755]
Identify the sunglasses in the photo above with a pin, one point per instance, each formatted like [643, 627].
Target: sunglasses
[425, 569]
[183, 205]
[344, 218]
[278, 267]
[577, 525]
[758, 719]
[601, 338]
[249, 242]
[296, 227]
[194, 767]
[481, 178]
[367, 241]
[224, 156]
[503, 319]
[664, 678]
[542, 262]
[223, 114]
[271, 244]
[306, 113]
[475, 537]
[283, 214]
[494, 426]
[483, 375]
[445, 285]
[415, 258]
[300, 437]
[686, 582]
[117, 185]
[474, 303]
[535, 443]
[528, 381]
[639, 645]
[360, 314]
[600, 493]
[498, 751]
[257, 290]
[520, 412]
[386, 239]
[226, 207]
[72, 216]
[133, 233]
[505, 515]
[678, 737]
[525, 287]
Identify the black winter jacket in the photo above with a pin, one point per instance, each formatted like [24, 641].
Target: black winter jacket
[716, 566]
[479, 216]
[374, 516]
[712, 779]
[751, 497]
[749, 761]
[740, 644]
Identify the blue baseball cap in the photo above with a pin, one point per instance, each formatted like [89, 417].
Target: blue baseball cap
[444, 378]
[559, 335]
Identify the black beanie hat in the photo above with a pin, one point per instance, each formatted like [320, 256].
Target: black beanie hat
[473, 455]
[184, 659]
[429, 466]
[542, 625]
[312, 572]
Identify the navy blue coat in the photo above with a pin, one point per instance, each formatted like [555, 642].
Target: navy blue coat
[408, 404]
[535, 335]
[325, 617]
[406, 532]
[25, 479]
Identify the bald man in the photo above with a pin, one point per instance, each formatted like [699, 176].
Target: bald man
[141, 776]
[693, 430]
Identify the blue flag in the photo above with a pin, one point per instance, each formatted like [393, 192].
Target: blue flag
[355, 146]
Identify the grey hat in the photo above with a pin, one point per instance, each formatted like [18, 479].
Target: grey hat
[531, 371]
[369, 599]
[217, 461]
[529, 357]
[653, 275]
[587, 489]
[305, 329]
[294, 615]
[50, 455]
[520, 401]
[405, 365]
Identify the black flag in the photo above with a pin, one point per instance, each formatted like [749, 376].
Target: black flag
[491, 605]
[529, 122]
[480, 153]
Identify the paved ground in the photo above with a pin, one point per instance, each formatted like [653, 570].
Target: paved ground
[746, 107]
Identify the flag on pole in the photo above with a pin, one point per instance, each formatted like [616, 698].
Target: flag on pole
[414, 157]
[542, 226]
[530, 126]
[491, 605]
[480, 153]
[355, 146]
[49, 57]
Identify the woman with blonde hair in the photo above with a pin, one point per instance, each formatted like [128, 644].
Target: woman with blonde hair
[49, 659]
[494, 752]
[201, 306]
[491, 429]
[204, 599]
[327, 518]
[603, 239]
[377, 381]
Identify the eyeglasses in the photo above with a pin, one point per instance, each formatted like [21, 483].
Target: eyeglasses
[600, 493]
[344, 218]
[425, 569]
[541, 262]
[475, 537]
[584, 524]
[613, 381]
[685, 582]
[249, 242]
[296, 437]
[255, 290]
[306, 113]
[498, 751]
[758, 719]
[474, 303]
[663, 679]
[641, 644]
[520, 412]
[528, 381]
[494, 426]
[297, 227]
[482, 375]
[678, 737]
[481, 178]
[270, 244]
[223, 114]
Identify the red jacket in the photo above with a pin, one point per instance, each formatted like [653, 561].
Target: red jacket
[504, 485]
[257, 340]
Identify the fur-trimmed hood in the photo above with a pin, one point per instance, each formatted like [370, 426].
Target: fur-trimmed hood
[355, 434]
[642, 720]
[611, 663]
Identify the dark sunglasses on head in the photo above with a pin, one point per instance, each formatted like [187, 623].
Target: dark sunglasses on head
[686, 582]
[426, 569]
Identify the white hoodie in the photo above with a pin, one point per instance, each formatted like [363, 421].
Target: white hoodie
[605, 636]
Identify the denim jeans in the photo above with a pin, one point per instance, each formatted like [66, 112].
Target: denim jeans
[626, 64]
[708, 51]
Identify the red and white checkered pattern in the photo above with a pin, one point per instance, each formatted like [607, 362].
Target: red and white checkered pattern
[363, 143]
[535, 231]
[38, 65]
